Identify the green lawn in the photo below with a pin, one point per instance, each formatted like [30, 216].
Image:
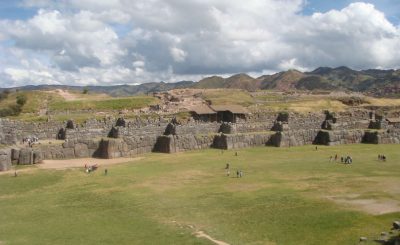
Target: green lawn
[285, 197]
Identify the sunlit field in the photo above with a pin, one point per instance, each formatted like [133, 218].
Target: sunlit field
[286, 196]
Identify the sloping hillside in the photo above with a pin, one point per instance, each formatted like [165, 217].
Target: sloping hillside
[372, 81]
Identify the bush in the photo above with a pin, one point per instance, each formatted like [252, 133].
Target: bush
[4, 94]
[21, 99]
[16, 109]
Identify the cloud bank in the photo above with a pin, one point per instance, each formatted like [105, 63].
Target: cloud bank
[105, 42]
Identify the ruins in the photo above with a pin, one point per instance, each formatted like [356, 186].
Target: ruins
[222, 127]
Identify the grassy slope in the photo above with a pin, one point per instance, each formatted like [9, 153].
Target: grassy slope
[228, 96]
[37, 100]
[280, 200]
[135, 102]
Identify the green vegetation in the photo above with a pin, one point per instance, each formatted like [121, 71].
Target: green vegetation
[85, 91]
[104, 104]
[228, 96]
[27, 105]
[13, 109]
[287, 196]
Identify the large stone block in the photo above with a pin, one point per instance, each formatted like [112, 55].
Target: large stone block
[81, 150]
[5, 159]
[37, 157]
[68, 153]
[15, 155]
[25, 156]
[68, 144]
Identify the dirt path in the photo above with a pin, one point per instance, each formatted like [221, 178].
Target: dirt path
[80, 162]
[66, 95]
[201, 234]
[71, 163]
[371, 206]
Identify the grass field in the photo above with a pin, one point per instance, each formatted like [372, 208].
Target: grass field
[287, 196]
[134, 102]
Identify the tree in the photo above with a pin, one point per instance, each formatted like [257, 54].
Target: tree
[85, 91]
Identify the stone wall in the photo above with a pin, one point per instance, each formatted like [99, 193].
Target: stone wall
[111, 138]
[236, 141]
[179, 143]
[338, 137]
[293, 138]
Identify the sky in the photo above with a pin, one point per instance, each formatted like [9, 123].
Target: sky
[109, 42]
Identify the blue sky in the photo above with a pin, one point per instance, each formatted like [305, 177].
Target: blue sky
[104, 42]
[391, 8]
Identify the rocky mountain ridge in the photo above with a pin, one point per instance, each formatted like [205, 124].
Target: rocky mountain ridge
[372, 81]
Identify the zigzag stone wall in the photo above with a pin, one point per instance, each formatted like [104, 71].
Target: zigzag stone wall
[110, 138]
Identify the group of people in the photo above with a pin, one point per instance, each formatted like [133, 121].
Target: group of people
[239, 172]
[345, 160]
[30, 140]
[382, 158]
[90, 168]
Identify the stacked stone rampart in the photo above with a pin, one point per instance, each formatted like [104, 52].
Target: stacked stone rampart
[111, 138]
[236, 141]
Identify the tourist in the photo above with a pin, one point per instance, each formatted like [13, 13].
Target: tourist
[336, 157]
[342, 159]
[237, 173]
[316, 148]
[105, 171]
[236, 154]
[240, 173]
[330, 158]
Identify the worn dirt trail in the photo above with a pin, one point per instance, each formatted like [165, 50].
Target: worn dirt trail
[201, 234]
[80, 162]
[66, 94]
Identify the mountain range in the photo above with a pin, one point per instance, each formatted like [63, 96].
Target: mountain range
[373, 81]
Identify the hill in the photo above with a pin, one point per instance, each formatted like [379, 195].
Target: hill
[372, 81]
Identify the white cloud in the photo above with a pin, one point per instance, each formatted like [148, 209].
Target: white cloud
[178, 54]
[124, 41]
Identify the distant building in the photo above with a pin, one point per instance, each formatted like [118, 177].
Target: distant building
[230, 113]
[393, 121]
[203, 113]
[220, 113]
